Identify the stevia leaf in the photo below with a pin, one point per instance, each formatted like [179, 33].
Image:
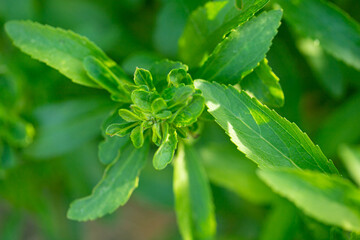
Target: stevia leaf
[102, 76]
[335, 30]
[341, 127]
[156, 137]
[60, 49]
[63, 127]
[120, 129]
[193, 201]
[208, 24]
[158, 105]
[143, 77]
[264, 85]
[177, 95]
[160, 71]
[165, 153]
[265, 137]
[137, 136]
[115, 188]
[327, 198]
[229, 168]
[179, 76]
[241, 50]
[110, 149]
[351, 159]
[143, 99]
[128, 115]
[191, 112]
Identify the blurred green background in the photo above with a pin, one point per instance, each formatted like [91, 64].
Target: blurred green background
[39, 177]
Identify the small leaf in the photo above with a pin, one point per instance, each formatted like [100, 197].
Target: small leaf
[351, 159]
[110, 149]
[163, 115]
[165, 153]
[207, 26]
[178, 76]
[241, 50]
[102, 75]
[265, 137]
[327, 198]
[60, 49]
[120, 129]
[156, 137]
[193, 201]
[177, 95]
[129, 116]
[143, 99]
[158, 105]
[137, 136]
[143, 77]
[191, 112]
[115, 188]
[264, 85]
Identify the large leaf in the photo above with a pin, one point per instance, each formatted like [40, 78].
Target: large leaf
[328, 198]
[342, 126]
[264, 85]
[115, 188]
[193, 200]
[351, 158]
[241, 50]
[229, 168]
[208, 24]
[265, 137]
[110, 148]
[64, 126]
[58, 48]
[337, 33]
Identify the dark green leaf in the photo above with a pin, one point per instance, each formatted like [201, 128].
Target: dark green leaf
[115, 188]
[265, 137]
[241, 50]
[193, 201]
[110, 149]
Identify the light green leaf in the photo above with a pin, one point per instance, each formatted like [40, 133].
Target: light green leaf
[177, 95]
[335, 30]
[191, 112]
[121, 129]
[60, 49]
[137, 136]
[178, 76]
[265, 137]
[158, 105]
[241, 50]
[128, 115]
[110, 149]
[341, 127]
[165, 153]
[208, 24]
[229, 168]
[115, 188]
[193, 200]
[327, 198]
[264, 85]
[351, 159]
[143, 99]
[143, 77]
[102, 75]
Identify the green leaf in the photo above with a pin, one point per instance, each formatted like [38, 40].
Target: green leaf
[158, 105]
[143, 99]
[115, 188]
[177, 95]
[121, 129]
[65, 126]
[208, 24]
[143, 77]
[193, 201]
[128, 115]
[229, 168]
[165, 153]
[60, 49]
[191, 112]
[341, 127]
[137, 136]
[327, 198]
[241, 50]
[265, 137]
[335, 30]
[264, 85]
[178, 76]
[110, 149]
[102, 75]
[351, 159]
[160, 71]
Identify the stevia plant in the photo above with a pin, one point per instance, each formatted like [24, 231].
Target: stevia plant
[222, 65]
